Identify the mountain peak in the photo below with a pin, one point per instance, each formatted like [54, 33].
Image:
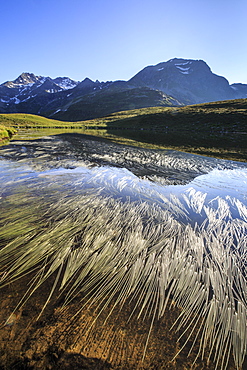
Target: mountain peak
[188, 80]
[27, 78]
[183, 65]
[181, 60]
[86, 83]
[65, 83]
[176, 81]
[24, 79]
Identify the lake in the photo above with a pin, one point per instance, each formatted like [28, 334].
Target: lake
[125, 225]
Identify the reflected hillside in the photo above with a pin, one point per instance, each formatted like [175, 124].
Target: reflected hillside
[134, 257]
[212, 129]
[131, 256]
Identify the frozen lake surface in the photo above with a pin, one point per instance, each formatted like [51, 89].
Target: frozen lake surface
[73, 162]
[144, 223]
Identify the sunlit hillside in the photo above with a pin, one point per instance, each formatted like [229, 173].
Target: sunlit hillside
[216, 129]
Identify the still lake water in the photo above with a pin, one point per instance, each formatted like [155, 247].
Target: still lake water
[74, 162]
[165, 213]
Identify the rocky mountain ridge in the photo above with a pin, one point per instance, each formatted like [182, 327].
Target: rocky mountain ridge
[190, 81]
[172, 83]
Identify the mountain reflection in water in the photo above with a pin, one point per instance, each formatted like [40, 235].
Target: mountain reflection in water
[129, 222]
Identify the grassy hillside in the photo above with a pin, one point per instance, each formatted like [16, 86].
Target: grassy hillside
[22, 121]
[215, 129]
[218, 129]
[6, 133]
[219, 117]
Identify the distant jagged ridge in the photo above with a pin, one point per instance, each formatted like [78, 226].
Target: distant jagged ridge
[173, 83]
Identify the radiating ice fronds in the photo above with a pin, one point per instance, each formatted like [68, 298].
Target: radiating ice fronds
[115, 238]
[88, 213]
[195, 199]
[242, 209]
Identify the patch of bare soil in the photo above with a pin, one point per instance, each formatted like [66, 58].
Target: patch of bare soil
[85, 338]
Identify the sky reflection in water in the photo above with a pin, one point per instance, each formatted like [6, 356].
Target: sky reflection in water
[176, 216]
[149, 174]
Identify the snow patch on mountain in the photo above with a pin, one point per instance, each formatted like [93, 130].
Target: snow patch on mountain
[17, 101]
[184, 70]
[65, 83]
[52, 91]
[29, 97]
[28, 85]
[44, 95]
[28, 80]
[68, 84]
[183, 64]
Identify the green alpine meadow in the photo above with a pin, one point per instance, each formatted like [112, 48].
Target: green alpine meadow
[215, 129]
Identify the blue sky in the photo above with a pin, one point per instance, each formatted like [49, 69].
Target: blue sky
[115, 39]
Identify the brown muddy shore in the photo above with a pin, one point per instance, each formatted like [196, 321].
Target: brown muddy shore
[75, 338]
